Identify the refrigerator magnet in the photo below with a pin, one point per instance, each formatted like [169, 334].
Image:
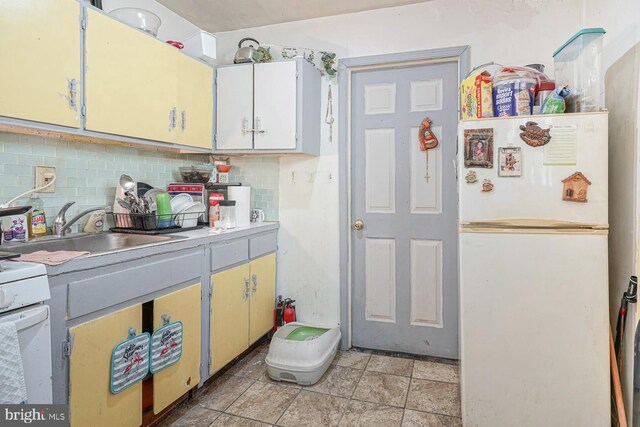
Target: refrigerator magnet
[487, 186]
[471, 177]
[510, 161]
[534, 135]
[478, 148]
[575, 188]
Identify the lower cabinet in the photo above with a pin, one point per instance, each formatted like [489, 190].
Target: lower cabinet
[90, 399]
[242, 304]
[176, 380]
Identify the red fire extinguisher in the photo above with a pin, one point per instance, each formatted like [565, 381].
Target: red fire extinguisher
[285, 312]
[289, 313]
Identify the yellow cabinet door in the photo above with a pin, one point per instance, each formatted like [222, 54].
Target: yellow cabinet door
[91, 403]
[229, 315]
[195, 100]
[263, 295]
[176, 380]
[40, 51]
[131, 81]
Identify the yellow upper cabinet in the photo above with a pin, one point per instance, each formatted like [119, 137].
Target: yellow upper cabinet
[131, 81]
[195, 101]
[40, 51]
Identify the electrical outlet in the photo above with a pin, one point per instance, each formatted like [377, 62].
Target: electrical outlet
[44, 175]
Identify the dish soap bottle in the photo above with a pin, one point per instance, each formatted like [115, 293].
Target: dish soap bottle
[36, 221]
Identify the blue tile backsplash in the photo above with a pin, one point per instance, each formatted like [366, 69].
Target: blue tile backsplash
[88, 173]
[262, 174]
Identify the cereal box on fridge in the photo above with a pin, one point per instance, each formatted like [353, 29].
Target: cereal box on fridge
[476, 96]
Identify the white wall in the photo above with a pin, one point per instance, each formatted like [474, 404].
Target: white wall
[505, 31]
[621, 64]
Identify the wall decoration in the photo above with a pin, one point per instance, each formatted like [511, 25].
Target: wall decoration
[166, 345]
[471, 177]
[575, 188]
[428, 141]
[129, 361]
[487, 186]
[534, 135]
[510, 161]
[325, 62]
[478, 148]
[328, 119]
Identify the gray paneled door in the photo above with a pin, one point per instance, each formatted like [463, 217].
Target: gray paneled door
[405, 258]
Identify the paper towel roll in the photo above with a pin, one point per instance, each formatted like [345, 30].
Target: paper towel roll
[242, 196]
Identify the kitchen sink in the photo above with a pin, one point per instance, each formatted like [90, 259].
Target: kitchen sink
[94, 243]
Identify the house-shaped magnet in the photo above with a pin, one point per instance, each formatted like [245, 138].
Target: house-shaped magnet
[575, 188]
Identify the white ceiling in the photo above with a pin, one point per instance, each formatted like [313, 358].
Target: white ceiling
[226, 15]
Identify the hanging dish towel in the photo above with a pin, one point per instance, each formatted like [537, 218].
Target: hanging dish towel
[51, 258]
[12, 386]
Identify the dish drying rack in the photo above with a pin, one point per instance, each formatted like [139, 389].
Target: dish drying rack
[148, 223]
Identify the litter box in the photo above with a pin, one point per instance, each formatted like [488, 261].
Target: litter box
[301, 353]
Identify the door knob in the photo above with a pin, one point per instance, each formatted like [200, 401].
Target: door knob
[358, 225]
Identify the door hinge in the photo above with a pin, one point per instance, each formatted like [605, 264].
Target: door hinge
[83, 111]
[83, 18]
[215, 138]
[211, 290]
[67, 346]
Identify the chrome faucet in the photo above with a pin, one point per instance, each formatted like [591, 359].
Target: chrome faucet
[60, 225]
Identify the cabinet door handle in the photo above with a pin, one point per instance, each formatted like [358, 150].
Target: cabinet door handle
[258, 126]
[173, 113]
[245, 126]
[254, 279]
[184, 120]
[246, 290]
[72, 85]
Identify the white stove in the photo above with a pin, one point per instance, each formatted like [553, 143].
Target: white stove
[24, 287]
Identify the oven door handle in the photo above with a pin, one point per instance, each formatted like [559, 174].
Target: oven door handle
[31, 318]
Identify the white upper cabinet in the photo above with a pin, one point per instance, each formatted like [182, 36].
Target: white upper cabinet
[268, 108]
[275, 106]
[235, 108]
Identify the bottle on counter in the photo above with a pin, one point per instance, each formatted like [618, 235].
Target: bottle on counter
[36, 219]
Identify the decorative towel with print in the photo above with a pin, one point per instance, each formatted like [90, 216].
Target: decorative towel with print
[12, 386]
[51, 258]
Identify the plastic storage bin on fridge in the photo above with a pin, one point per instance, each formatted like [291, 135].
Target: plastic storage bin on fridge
[301, 353]
[578, 63]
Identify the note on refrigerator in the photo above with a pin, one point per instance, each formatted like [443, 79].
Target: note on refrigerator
[563, 147]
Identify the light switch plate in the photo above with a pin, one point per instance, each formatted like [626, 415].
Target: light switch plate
[44, 175]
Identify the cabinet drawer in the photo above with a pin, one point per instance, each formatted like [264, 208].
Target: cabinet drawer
[261, 245]
[228, 254]
[107, 289]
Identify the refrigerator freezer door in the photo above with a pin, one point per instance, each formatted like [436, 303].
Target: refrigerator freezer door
[538, 193]
[534, 330]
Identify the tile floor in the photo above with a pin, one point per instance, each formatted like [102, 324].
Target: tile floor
[359, 389]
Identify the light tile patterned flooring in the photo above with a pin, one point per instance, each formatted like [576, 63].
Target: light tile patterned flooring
[359, 389]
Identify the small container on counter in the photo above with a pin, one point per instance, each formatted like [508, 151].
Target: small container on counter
[228, 214]
[214, 208]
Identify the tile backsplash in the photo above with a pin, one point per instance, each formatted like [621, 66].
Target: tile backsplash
[262, 174]
[86, 173]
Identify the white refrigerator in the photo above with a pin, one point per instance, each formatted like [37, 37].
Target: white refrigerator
[534, 271]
